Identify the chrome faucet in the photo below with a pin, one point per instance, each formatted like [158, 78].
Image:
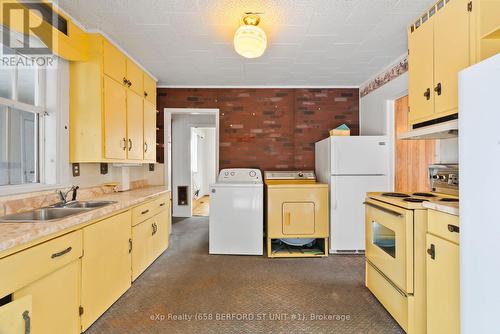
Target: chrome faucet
[63, 195]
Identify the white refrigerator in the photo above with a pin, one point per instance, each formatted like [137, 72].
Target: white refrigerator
[352, 166]
[479, 154]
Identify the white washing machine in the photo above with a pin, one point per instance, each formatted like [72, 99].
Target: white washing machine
[236, 212]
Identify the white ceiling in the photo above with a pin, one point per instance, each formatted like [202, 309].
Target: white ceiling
[310, 42]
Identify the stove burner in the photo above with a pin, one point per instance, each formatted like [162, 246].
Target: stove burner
[449, 199]
[424, 194]
[400, 195]
[414, 200]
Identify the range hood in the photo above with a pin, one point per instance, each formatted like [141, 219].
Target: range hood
[443, 130]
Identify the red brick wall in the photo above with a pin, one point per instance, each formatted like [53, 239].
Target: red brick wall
[270, 128]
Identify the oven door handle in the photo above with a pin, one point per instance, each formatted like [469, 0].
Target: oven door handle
[384, 209]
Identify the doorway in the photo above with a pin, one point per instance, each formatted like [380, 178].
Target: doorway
[203, 168]
[188, 174]
[412, 157]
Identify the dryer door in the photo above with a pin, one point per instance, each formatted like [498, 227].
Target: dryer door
[298, 218]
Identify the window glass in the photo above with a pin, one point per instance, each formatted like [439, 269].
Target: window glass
[4, 161]
[6, 84]
[26, 85]
[19, 155]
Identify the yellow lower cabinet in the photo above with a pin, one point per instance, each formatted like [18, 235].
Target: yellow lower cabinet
[15, 317]
[443, 286]
[150, 240]
[106, 265]
[55, 301]
[162, 234]
[142, 249]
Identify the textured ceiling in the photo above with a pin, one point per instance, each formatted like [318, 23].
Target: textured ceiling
[310, 42]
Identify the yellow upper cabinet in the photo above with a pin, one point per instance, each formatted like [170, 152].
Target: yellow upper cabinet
[106, 107]
[114, 62]
[448, 38]
[149, 89]
[115, 121]
[451, 54]
[438, 49]
[135, 128]
[421, 44]
[135, 78]
[149, 131]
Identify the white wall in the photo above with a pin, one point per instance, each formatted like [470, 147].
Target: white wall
[181, 156]
[206, 160]
[373, 114]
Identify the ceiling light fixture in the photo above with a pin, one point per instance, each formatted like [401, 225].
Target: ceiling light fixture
[250, 41]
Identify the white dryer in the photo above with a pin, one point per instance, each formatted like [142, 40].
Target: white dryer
[236, 212]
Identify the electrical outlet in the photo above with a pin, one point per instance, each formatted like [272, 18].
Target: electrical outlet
[76, 169]
[104, 168]
[151, 167]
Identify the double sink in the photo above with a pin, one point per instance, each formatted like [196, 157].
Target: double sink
[54, 212]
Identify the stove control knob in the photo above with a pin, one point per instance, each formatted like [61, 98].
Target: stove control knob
[301, 174]
[252, 173]
[233, 173]
[435, 177]
[226, 173]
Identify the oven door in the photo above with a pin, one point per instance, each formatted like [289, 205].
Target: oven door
[389, 242]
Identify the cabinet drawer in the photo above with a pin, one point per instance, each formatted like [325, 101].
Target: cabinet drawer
[444, 225]
[20, 269]
[161, 203]
[394, 301]
[142, 212]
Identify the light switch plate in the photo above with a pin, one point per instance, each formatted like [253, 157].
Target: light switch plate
[151, 167]
[76, 169]
[104, 168]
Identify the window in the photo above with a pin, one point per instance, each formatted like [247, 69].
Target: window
[21, 124]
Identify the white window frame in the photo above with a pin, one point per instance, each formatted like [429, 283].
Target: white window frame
[52, 106]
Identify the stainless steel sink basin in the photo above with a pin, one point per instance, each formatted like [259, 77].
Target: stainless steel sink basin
[55, 212]
[41, 215]
[88, 204]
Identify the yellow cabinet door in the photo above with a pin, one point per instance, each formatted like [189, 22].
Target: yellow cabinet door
[443, 286]
[55, 301]
[298, 218]
[115, 120]
[114, 62]
[135, 77]
[149, 131]
[162, 232]
[106, 265]
[150, 89]
[135, 141]
[451, 54]
[142, 246]
[15, 317]
[421, 73]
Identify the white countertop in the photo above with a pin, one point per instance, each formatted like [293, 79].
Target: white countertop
[451, 208]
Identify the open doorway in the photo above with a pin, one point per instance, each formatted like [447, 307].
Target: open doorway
[189, 181]
[412, 157]
[203, 168]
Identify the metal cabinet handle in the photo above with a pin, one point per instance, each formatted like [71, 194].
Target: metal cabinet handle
[124, 141]
[129, 144]
[27, 322]
[145, 147]
[130, 245]
[125, 81]
[288, 218]
[162, 204]
[384, 209]
[427, 94]
[437, 89]
[155, 228]
[453, 228]
[61, 253]
[432, 251]
[129, 83]
[144, 212]
[145, 94]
